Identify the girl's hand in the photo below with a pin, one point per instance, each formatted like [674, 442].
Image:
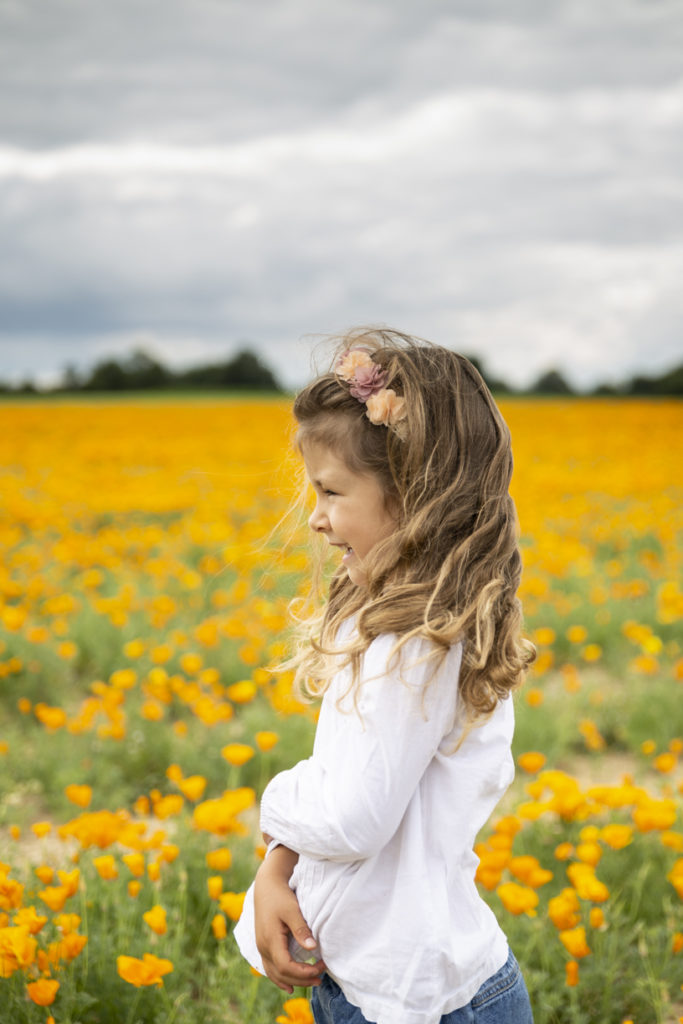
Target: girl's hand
[277, 914]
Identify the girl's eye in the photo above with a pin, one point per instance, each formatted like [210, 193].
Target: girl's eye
[330, 494]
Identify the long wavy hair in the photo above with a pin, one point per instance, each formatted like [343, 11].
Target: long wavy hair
[450, 570]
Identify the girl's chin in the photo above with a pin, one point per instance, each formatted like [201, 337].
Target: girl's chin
[356, 574]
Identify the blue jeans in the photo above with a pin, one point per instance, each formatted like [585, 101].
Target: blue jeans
[503, 999]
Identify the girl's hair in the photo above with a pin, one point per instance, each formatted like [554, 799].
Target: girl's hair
[450, 570]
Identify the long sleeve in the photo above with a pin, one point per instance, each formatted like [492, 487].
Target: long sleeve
[346, 801]
[384, 816]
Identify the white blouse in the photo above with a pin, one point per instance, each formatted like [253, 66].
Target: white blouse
[384, 816]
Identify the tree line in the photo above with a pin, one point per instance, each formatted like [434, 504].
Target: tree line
[141, 372]
[246, 371]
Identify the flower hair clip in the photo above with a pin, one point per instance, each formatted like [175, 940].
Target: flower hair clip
[367, 379]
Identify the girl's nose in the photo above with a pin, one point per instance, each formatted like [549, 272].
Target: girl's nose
[317, 520]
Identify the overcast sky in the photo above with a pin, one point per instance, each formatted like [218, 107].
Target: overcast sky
[190, 176]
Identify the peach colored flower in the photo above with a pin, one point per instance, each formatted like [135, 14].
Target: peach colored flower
[350, 361]
[386, 408]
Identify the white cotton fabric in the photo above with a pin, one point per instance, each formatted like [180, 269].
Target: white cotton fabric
[384, 815]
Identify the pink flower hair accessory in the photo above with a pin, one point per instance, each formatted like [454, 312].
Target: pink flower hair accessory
[367, 379]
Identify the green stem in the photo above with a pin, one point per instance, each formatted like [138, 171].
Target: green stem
[173, 1006]
[84, 925]
[252, 999]
[205, 928]
[264, 775]
[183, 916]
[134, 1005]
[576, 1016]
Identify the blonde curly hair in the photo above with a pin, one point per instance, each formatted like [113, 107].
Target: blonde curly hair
[450, 570]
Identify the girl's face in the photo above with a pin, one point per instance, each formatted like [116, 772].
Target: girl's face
[350, 508]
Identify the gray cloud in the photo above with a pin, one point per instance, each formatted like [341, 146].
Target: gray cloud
[504, 178]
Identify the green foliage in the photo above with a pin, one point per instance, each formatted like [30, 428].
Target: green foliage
[244, 371]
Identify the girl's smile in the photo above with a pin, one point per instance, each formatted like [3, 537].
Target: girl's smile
[350, 508]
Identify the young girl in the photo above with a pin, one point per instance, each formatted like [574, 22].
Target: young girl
[370, 865]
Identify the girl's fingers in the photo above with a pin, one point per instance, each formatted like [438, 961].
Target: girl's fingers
[303, 936]
[290, 975]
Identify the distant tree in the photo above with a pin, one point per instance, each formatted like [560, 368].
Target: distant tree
[642, 386]
[551, 383]
[71, 379]
[476, 363]
[493, 383]
[244, 371]
[143, 371]
[140, 370]
[499, 386]
[108, 375]
[670, 383]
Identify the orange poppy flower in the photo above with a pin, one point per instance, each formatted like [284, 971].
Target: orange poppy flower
[148, 971]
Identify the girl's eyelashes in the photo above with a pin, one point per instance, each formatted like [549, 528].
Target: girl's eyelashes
[321, 489]
[327, 491]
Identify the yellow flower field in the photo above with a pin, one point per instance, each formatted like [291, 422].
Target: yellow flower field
[148, 559]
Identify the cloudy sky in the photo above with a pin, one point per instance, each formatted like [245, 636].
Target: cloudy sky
[501, 176]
